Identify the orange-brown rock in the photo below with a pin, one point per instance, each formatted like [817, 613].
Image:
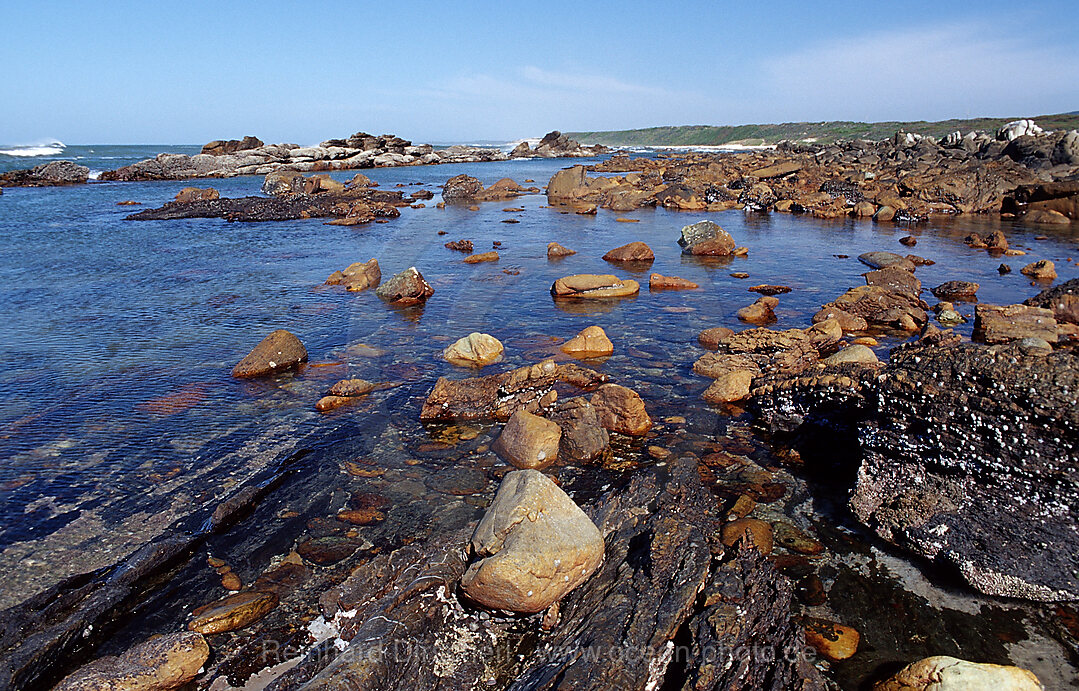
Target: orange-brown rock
[491, 256]
[555, 251]
[528, 441]
[661, 282]
[711, 338]
[231, 613]
[621, 410]
[357, 276]
[834, 641]
[760, 312]
[632, 252]
[591, 342]
[594, 286]
[277, 352]
[757, 533]
[194, 194]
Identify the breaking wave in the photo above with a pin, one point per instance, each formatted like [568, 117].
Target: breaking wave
[53, 148]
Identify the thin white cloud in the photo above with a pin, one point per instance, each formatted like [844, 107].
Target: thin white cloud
[931, 72]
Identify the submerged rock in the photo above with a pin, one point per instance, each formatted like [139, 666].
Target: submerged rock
[535, 545]
[231, 613]
[474, 350]
[163, 662]
[882, 260]
[277, 352]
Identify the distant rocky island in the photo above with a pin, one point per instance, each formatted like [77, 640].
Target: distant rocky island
[252, 156]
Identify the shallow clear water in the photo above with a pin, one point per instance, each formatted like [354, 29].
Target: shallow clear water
[117, 337]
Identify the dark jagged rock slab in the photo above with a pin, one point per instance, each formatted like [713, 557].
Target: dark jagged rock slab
[633, 625]
[1063, 299]
[367, 207]
[969, 459]
[47, 175]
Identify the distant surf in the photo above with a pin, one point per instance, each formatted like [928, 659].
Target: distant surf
[53, 148]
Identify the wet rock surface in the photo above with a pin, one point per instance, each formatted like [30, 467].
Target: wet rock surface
[165, 662]
[279, 351]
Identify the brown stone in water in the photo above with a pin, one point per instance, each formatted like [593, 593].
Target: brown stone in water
[351, 387]
[277, 352]
[621, 410]
[632, 252]
[231, 613]
[328, 403]
[834, 641]
[758, 532]
[555, 251]
[766, 289]
[194, 194]
[162, 662]
[661, 282]
[711, 338]
[460, 246]
[528, 441]
[760, 312]
[594, 286]
[230, 581]
[591, 342]
[366, 516]
[482, 257]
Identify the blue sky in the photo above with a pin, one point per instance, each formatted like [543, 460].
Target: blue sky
[142, 72]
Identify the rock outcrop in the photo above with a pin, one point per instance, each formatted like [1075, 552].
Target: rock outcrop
[50, 174]
[250, 156]
[277, 352]
[668, 606]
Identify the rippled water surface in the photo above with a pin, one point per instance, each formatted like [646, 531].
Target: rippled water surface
[117, 337]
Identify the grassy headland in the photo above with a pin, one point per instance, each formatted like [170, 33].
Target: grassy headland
[712, 135]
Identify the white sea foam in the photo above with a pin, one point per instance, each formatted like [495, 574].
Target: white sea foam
[53, 148]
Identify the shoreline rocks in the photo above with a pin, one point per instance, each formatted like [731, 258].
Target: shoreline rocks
[528, 441]
[591, 342]
[158, 664]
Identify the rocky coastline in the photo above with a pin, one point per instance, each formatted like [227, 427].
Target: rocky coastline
[251, 156]
[593, 537]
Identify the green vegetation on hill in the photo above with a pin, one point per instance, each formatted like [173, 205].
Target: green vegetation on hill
[826, 132]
